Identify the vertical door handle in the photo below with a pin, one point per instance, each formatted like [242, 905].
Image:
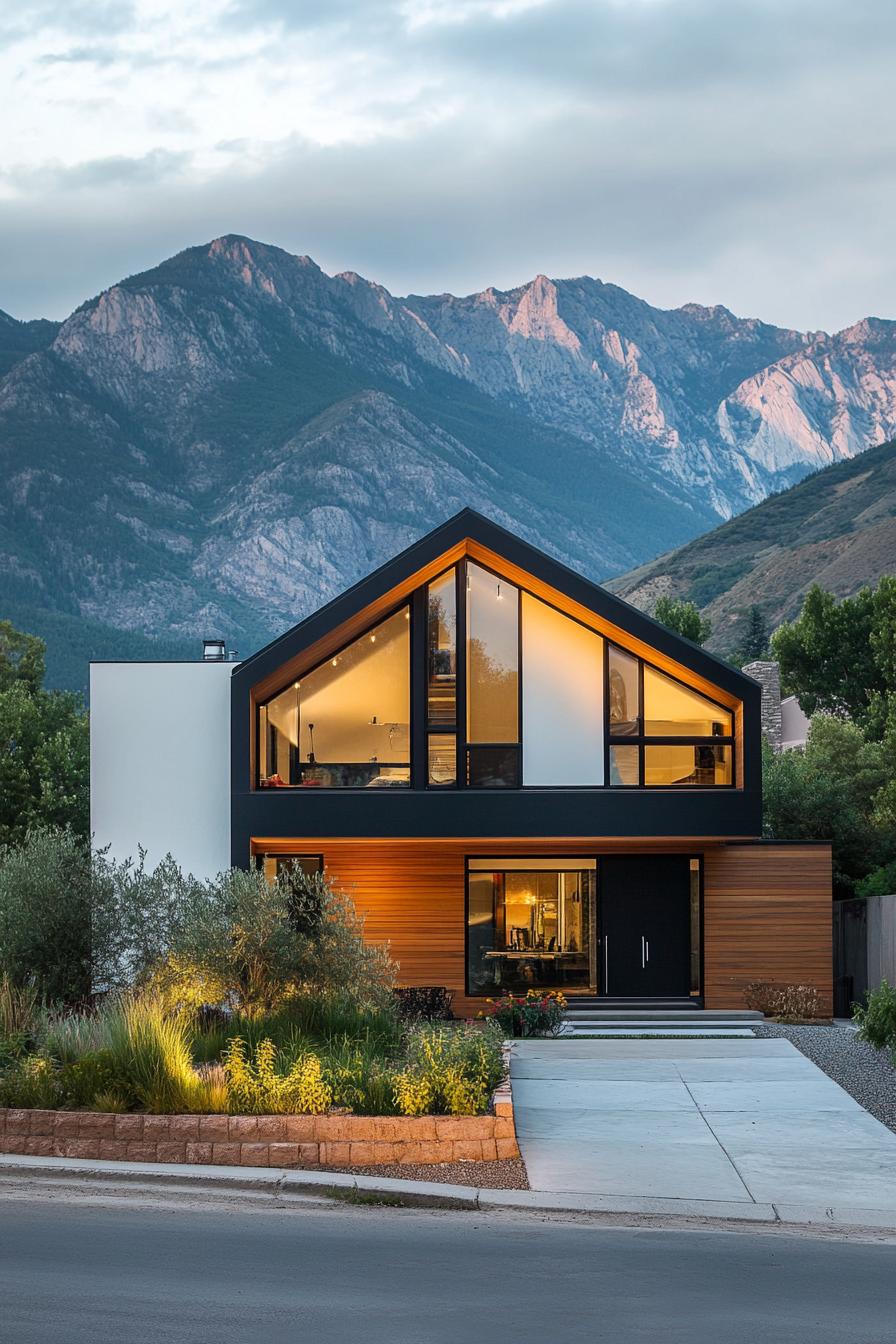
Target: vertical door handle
[606, 945]
[646, 950]
[642, 951]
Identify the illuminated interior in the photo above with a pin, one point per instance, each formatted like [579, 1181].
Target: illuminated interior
[529, 924]
[347, 722]
[533, 699]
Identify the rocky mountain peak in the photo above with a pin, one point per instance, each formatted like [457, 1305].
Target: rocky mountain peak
[237, 391]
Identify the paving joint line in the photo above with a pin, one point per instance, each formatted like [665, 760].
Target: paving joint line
[734, 1167]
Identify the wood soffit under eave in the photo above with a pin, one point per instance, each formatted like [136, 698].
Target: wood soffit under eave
[505, 846]
[342, 634]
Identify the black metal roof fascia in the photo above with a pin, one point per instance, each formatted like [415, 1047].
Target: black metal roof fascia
[469, 523]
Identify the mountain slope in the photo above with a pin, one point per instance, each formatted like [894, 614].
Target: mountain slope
[220, 444]
[837, 528]
[20, 339]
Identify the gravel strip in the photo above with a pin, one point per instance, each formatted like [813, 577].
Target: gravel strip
[865, 1073]
[508, 1174]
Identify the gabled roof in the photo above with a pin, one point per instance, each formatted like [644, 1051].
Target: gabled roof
[449, 542]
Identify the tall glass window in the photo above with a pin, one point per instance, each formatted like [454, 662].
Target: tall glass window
[563, 699]
[346, 723]
[441, 681]
[441, 686]
[493, 680]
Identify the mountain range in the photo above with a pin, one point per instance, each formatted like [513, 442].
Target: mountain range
[218, 445]
[837, 528]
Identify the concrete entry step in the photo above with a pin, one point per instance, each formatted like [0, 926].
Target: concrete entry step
[649, 1029]
[696, 1022]
[720, 1017]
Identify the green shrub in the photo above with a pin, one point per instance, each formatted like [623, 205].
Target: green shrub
[876, 1018]
[244, 946]
[67, 1037]
[881, 882]
[255, 1087]
[540, 1013]
[32, 1082]
[360, 1078]
[94, 1075]
[450, 1070]
[19, 1008]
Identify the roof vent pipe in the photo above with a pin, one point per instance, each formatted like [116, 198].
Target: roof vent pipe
[213, 650]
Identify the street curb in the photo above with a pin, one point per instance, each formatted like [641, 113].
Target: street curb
[282, 1185]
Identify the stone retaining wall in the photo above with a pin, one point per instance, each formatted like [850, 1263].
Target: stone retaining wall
[263, 1140]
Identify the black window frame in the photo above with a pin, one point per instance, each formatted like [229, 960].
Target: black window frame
[422, 727]
[642, 739]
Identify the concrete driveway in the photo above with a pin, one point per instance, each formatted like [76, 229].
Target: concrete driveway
[736, 1123]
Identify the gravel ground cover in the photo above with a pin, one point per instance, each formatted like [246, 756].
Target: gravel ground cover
[865, 1073]
[508, 1174]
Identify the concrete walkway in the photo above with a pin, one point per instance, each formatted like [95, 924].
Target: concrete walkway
[738, 1122]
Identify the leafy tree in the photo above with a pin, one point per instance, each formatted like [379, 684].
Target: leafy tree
[244, 945]
[840, 657]
[45, 894]
[22, 658]
[44, 745]
[756, 637]
[832, 790]
[684, 618]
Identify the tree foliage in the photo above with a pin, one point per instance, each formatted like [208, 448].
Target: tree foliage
[44, 745]
[841, 788]
[840, 657]
[72, 922]
[45, 899]
[684, 618]
[756, 637]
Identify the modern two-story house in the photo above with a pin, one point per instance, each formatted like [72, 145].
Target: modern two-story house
[523, 781]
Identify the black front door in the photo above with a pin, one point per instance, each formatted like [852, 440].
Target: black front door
[644, 925]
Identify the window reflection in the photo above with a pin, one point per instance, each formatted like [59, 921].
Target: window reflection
[441, 688]
[442, 760]
[492, 658]
[625, 698]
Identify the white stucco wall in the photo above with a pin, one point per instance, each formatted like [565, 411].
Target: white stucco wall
[160, 761]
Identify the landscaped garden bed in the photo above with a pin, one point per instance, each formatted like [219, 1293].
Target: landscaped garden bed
[245, 1023]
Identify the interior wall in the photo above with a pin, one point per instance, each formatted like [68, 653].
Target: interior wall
[563, 699]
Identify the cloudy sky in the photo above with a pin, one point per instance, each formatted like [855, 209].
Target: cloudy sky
[723, 151]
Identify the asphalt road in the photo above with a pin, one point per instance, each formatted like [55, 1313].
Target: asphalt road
[72, 1271]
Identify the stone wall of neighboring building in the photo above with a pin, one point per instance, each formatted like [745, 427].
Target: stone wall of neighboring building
[769, 677]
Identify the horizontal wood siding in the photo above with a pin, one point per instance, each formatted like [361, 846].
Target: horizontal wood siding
[766, 916]
[412, 899]
[767, 908]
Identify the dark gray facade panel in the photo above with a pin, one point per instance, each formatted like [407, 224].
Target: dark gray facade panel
[524, 813]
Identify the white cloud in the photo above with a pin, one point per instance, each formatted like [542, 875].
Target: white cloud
[686, 149]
